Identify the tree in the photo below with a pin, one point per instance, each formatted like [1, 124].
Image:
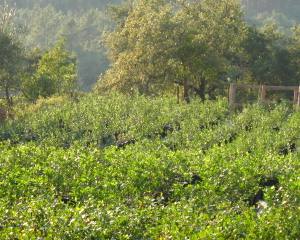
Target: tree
[139, 46]
[268, 59]
[41, 26]
[29, 86]
[64, 5]
[294, 49]
[166, 42]
[82, 32]
[218, 27]
[11, 54]
[56, 72]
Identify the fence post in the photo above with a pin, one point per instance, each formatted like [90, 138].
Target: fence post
[298, 102]
[263, 93]
[178, 93]
[296, 93]
[232, 95]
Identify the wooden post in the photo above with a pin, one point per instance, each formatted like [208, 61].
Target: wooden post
[263, 93]
[232, 95]
[178, 93]
[296, 93]
[298, 103]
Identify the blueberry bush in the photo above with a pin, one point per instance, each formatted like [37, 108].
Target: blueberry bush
[113, 167]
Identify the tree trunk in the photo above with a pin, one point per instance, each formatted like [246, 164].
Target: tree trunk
[202, 88]
[186, 96]
[8, 98]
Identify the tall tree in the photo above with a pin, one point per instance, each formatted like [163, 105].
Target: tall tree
[56, 72]
[268, 58]
[163, 42]
[294, 49]
[11, 54]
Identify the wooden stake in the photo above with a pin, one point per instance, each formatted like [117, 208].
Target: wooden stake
[232, 95]
[178, 93]
[263, 93]
[296, 92]
[298, 103]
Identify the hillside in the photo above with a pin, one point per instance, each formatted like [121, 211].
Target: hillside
[138, 168]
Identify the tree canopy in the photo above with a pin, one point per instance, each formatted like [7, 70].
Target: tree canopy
[11, 54]
[166, 42]
[56, 73]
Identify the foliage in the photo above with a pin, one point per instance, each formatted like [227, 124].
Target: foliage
[82, 24]
[295, 51]
[269, 57]
[82, 32]
[29, 88]
[55, 74]
[11, 54]
[262, 8]
[201, 45]
[64, 5]
[6, 18]
[163, 42]
[193, 171]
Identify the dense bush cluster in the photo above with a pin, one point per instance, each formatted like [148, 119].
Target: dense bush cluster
[136, 168]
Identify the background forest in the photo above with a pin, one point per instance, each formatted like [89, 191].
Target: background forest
[265, 51]
[80, 22]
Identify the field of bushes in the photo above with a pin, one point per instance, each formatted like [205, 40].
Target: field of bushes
[113, 167]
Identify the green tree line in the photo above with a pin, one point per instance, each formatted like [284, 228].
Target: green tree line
[150, 47]
[82, 23]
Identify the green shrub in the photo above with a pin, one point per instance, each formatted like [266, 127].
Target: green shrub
[194, 171]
